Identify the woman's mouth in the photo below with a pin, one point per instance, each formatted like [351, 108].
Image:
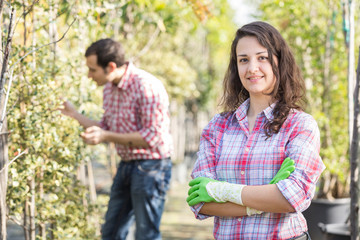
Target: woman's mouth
[255, 78]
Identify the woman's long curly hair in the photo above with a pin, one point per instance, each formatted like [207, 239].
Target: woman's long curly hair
[289, 87]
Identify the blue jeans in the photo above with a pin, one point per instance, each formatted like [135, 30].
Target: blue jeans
[138, 193]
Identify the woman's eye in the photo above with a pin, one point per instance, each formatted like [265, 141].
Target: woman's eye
[263, 58]
[243, 60]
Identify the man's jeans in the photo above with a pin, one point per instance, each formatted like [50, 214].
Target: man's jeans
[138, 192]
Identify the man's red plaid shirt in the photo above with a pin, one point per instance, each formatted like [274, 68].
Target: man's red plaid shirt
[139, 103]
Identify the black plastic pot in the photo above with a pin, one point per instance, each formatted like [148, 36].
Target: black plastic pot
[326, 212]
[335, 231]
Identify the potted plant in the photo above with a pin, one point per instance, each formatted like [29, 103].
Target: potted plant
[335, 231]
[331, 204]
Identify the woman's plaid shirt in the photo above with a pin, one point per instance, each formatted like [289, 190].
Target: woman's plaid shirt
[228, 152]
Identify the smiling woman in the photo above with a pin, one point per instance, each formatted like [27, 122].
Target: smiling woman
[254, 68]
[262, 133]
[255, 74]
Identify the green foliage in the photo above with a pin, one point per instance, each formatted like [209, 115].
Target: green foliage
[186, 54]
[54, 154]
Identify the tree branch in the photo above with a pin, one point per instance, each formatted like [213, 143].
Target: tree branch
[148, 44]
[9, 163]
[1, 6]
[29, 8]
[7, 52]
[16, 221]
[3, 114]
[45, 45]
[26, 12]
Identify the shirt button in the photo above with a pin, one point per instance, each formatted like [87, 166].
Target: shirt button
[239, 219]
[242, 172]
[247, 149]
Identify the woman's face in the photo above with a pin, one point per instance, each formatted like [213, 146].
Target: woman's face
[254, 67]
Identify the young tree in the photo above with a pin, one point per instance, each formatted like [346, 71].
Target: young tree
[4, 78]
[44, 190]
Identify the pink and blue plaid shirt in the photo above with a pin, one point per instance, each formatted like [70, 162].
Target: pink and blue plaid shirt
[139, 103]
[228, 152]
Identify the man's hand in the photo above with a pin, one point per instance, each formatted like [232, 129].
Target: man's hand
[198, 193]
[68, 109]
[93, 135]
[287, 167]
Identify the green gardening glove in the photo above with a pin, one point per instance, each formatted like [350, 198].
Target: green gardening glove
[220, 191]
[198, 193]
[287, 167]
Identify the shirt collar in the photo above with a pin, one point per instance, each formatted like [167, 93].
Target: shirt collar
[241, 112]
[268, 112]
[125, 79]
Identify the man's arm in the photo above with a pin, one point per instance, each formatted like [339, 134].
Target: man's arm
[95, 135]
[68, 109]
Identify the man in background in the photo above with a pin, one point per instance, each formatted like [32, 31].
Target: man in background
[136, 119]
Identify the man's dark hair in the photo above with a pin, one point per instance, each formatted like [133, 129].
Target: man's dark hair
[107, 50]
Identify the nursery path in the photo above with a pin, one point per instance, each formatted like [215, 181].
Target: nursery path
[178, 222]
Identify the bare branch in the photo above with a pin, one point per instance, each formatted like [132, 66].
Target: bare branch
[7, 52]
[3, 133]
[45, 45]
[19, 155]
[3, 114]
[12, 107]
[30, 8]
[16, 221]
[148, 44]
[46, 24]
[1, 6]
[26, 12]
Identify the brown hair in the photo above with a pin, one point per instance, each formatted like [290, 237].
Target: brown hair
[107, 50]
[289, 87]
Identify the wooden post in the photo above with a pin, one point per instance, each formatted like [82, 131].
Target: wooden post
[32, 207]
[351, 61]
[112, 156]
[354, 184]
[25, 223]
[3, 130]
[91, 182]
[3, 180]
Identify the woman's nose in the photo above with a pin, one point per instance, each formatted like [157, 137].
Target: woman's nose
[253, 66]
